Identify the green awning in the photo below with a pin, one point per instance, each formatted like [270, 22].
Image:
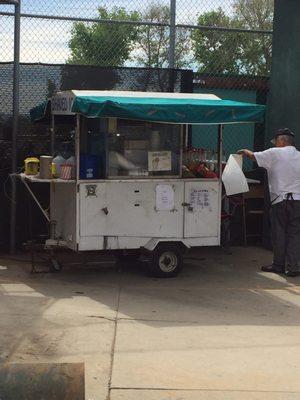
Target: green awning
[176, 108]
[41, 112]
[172, 110]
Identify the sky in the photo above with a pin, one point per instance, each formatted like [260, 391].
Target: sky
[44, 40]
[87, 8]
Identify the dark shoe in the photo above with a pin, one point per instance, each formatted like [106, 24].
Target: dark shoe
[291, 274]
[272, 268]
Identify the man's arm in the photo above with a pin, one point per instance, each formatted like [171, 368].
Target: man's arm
[264, 159]
[247, 153]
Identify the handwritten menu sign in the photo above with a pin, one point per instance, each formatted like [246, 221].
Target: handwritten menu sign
[200, 198]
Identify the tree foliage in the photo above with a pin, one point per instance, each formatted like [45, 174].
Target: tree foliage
[256, 15]
[103, 44]
[211, 51]
[232, 52]
[216, 51]
[153, 40]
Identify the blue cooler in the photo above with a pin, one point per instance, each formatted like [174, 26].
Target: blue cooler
[89, 166]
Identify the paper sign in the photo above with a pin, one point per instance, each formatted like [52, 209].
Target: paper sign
[159, 161]
[233, 177]
[200, 198]
[164, 198]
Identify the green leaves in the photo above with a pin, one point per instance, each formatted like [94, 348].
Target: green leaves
[233, 52]
[103, 44]
[210, 51]
[153, 41]
[216, 51]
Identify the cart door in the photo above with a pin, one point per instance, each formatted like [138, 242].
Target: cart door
[202, 209]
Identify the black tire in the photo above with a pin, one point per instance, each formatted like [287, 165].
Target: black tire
[54, 265]
[166, 260]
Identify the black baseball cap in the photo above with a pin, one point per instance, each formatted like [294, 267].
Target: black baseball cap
[282, 131]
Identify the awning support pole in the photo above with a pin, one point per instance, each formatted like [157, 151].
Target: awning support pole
[220, 149]
[220, 159]
[52, 135]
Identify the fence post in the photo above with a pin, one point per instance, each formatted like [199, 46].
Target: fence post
[16, 94]
[172, 44]
[172, 34]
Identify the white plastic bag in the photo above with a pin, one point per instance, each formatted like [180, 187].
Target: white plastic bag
[233, 177]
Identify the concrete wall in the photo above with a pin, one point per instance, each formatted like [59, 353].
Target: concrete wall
[284, 102]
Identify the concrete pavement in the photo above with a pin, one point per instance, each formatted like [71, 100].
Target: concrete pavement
[221, 330]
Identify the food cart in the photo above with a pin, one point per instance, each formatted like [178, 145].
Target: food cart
[138, 188]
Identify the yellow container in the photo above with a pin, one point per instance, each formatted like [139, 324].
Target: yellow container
[31, 166]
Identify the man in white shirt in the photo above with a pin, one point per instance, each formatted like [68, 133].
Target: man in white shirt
[283, 166]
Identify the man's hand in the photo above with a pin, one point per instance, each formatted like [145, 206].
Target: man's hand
[247, 153]
[241, 152]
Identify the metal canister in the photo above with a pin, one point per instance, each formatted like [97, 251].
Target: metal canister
[45, 167]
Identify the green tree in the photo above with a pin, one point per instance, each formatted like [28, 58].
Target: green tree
[217, 51]
[103, 44]
[255, 14]
[232, 52]
[257, 48]
[153, 41]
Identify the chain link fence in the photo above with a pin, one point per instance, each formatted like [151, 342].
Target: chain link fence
[221, 47]
[136, 33]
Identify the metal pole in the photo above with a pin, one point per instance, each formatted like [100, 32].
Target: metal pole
[220, 158]
[137, 23]
[53, 135]
[220, 150]
[36, 200]
[16, 94]
[172, 43]
[172, 33]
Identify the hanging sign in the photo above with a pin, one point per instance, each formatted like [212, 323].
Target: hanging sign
[61, 103]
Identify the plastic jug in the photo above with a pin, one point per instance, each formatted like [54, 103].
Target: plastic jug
[56, 165]
[72, 162]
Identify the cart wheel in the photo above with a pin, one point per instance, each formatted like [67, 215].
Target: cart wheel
[166, 260]
[54, 265]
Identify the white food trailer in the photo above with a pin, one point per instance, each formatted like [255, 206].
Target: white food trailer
[132, 189]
